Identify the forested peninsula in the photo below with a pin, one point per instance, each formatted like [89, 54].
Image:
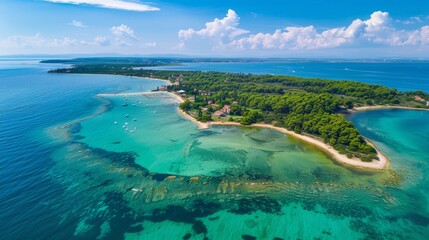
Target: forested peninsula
[312, 107]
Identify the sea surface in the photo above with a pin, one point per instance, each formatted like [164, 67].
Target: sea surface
[74, 165]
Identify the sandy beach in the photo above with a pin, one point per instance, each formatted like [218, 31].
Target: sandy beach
[381, 164]
[155, 79]
[376, 107]
[200, 125]
[140, 94]
[355, 162]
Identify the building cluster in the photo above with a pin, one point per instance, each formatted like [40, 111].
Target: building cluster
[420, 99]
[223, 112]
[176, 79]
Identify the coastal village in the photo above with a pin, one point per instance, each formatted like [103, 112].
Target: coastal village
[214, 110]
[221, 112]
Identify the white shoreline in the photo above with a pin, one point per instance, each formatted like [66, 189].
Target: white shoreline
[377, 107]
[381, 164]
[131, 94]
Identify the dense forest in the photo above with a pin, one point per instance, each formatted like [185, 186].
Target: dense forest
[307, 106]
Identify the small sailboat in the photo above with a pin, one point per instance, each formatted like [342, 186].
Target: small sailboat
[127, 115]
[134, 119]
[124, 104]
[115, 122]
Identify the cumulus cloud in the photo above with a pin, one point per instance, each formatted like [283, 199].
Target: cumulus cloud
[124, 36]
[417, 37]
[122, 31]
[112, 4]
[101, 41]
[377, 29]
[219, 30]
[77, 24]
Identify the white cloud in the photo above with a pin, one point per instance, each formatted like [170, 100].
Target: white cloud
[67, 42]
[70, 42]
[101, 41]
[37, 41]
[219, 30]
[112, 4]
[417, 19]
[180, 45]
[411, 20]
[377, 29]
[23, 41]
[28, 44]
[78, 24]
[122, 31]
[379, 21]
[417, 37]
[124, 36]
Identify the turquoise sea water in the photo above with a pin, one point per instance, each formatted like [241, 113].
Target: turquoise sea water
[67, 171]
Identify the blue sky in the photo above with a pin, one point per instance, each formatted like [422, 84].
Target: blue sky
[234, 28]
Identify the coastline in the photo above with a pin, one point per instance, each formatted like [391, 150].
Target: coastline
[381, 164]
[153, 78]
[131, 94]
[201, 125]
[376, 107]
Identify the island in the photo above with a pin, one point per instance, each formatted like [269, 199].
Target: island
[312, 110]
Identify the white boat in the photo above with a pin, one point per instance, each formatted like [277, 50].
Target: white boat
[137, 189]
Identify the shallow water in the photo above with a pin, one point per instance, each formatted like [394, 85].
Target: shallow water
[67, 171]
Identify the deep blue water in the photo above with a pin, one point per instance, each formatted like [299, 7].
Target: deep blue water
[404, 76]
[31, 100]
